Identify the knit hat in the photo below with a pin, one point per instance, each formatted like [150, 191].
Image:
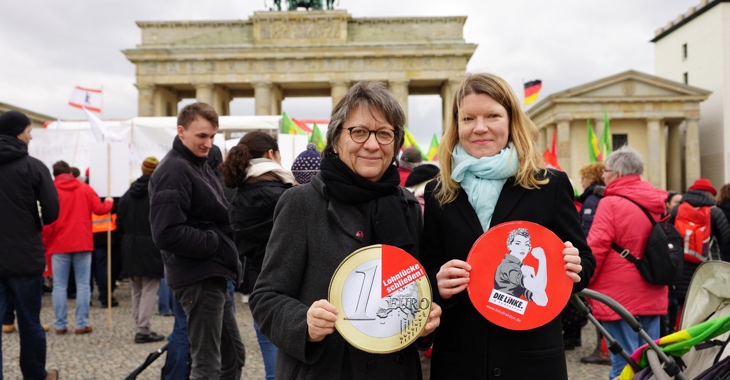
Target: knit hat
[703, 184]
[411, 155]
[13, 123]
[306, 164]
[423, 173]
[149, 165]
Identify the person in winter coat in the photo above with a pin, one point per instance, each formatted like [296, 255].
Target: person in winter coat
[253, 168]
[69, 241]
[141, 258]
[723, 203]
[620, 221]
[700, 194]
[28, 201]
[354, 201]
[491, 172]
[419, 177]
[190, 226]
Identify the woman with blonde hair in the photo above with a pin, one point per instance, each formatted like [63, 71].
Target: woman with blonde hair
[492, 173]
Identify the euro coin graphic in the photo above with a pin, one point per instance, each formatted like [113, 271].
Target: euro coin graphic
[383, 297]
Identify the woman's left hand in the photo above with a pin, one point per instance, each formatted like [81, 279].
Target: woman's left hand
[572, 262]
[434, 319]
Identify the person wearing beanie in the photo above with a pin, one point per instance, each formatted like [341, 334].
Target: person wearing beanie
[306, 164]
[409, 159]
[700, 196]
[27, 183]
[419, 177]
[141, 259]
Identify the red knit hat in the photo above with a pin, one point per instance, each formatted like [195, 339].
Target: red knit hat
[703, 184]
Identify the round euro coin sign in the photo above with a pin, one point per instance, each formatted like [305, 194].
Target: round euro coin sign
[383, 297]
[518, 279]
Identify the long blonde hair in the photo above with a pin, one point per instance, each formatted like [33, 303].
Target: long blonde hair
[531, 172]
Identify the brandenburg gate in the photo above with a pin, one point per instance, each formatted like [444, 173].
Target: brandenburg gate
[274, 55]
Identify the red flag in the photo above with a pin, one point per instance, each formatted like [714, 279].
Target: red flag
[551, 155]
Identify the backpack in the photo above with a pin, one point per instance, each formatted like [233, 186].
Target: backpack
[693, 223]
[663, 255]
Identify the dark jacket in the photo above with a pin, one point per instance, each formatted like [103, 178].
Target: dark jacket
[725, 247]
[252, 218]
[24, 180]
[719, 228]
[589, 203]
[312, 234]
[140, 256]
[468, 346]
[189, 220]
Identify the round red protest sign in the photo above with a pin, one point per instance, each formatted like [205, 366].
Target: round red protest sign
[384, 298]
[518, 278]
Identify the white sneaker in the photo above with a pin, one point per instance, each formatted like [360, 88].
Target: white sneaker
[244, 298]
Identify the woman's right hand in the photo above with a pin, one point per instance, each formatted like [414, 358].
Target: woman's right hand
[452, 278]
[321, 318]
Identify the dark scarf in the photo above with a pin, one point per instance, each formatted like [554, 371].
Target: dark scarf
[384, 208]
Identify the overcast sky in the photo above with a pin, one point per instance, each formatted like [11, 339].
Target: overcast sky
[49, 47]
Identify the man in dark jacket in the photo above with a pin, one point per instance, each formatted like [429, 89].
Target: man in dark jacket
[700, 194]
[141, 258]
[26, 185]
[189, 220]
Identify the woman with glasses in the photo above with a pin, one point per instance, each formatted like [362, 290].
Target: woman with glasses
[492, 172]
[353, 202]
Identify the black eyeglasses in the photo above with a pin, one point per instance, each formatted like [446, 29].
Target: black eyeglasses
[361, 134]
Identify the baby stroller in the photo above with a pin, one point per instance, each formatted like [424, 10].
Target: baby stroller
[699, 350]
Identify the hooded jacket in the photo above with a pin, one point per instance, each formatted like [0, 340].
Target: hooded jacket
[71, 232]
[189, 220]
[140, 255]
[620, 221]
[25, 184]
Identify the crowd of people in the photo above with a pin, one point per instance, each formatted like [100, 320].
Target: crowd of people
[195, 228]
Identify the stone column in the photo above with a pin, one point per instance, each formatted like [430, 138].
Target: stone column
[204, 93]
[655, 161]
[399, 89]
[276, 97]
[674, 158]
[338, 91]
[564, 156]
[165, 101]
[541, 139]
[145, 101]
[447, 100]
[262, 97]
[221, 98]
[692, 151]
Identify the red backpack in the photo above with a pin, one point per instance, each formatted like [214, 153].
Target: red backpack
[693, 223]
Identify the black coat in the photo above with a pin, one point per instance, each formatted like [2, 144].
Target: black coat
[189, 220]
[725, 247]
[140, 255]
[252, 218]
[589, 203]
[24, 180]
[466, 345]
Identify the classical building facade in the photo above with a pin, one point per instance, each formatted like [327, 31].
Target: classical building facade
[694, 49]
[657, 117]
[274, 55]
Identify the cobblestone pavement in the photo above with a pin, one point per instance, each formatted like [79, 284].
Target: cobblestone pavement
[106, 354]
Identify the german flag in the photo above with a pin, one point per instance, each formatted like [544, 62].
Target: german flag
[531, 90]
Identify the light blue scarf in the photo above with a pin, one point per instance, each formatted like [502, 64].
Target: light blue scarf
[482, 179]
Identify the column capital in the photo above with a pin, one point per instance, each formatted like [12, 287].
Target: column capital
[262, 84]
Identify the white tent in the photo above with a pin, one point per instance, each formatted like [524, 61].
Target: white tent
[71, 141]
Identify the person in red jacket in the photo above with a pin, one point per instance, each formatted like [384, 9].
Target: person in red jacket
[69, 241]
[618, 220]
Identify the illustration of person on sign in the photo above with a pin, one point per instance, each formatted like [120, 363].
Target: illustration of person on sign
[515, 278]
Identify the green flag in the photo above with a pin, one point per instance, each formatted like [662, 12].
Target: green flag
[433, 150]
[594, 153]
[606, 143]
[410, 141]
[288, 127]
[316, 138]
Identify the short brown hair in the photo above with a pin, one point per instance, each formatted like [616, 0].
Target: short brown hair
[724, 195]
[593, 173]
[190, 111]
[61, 167]
[373, 95]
